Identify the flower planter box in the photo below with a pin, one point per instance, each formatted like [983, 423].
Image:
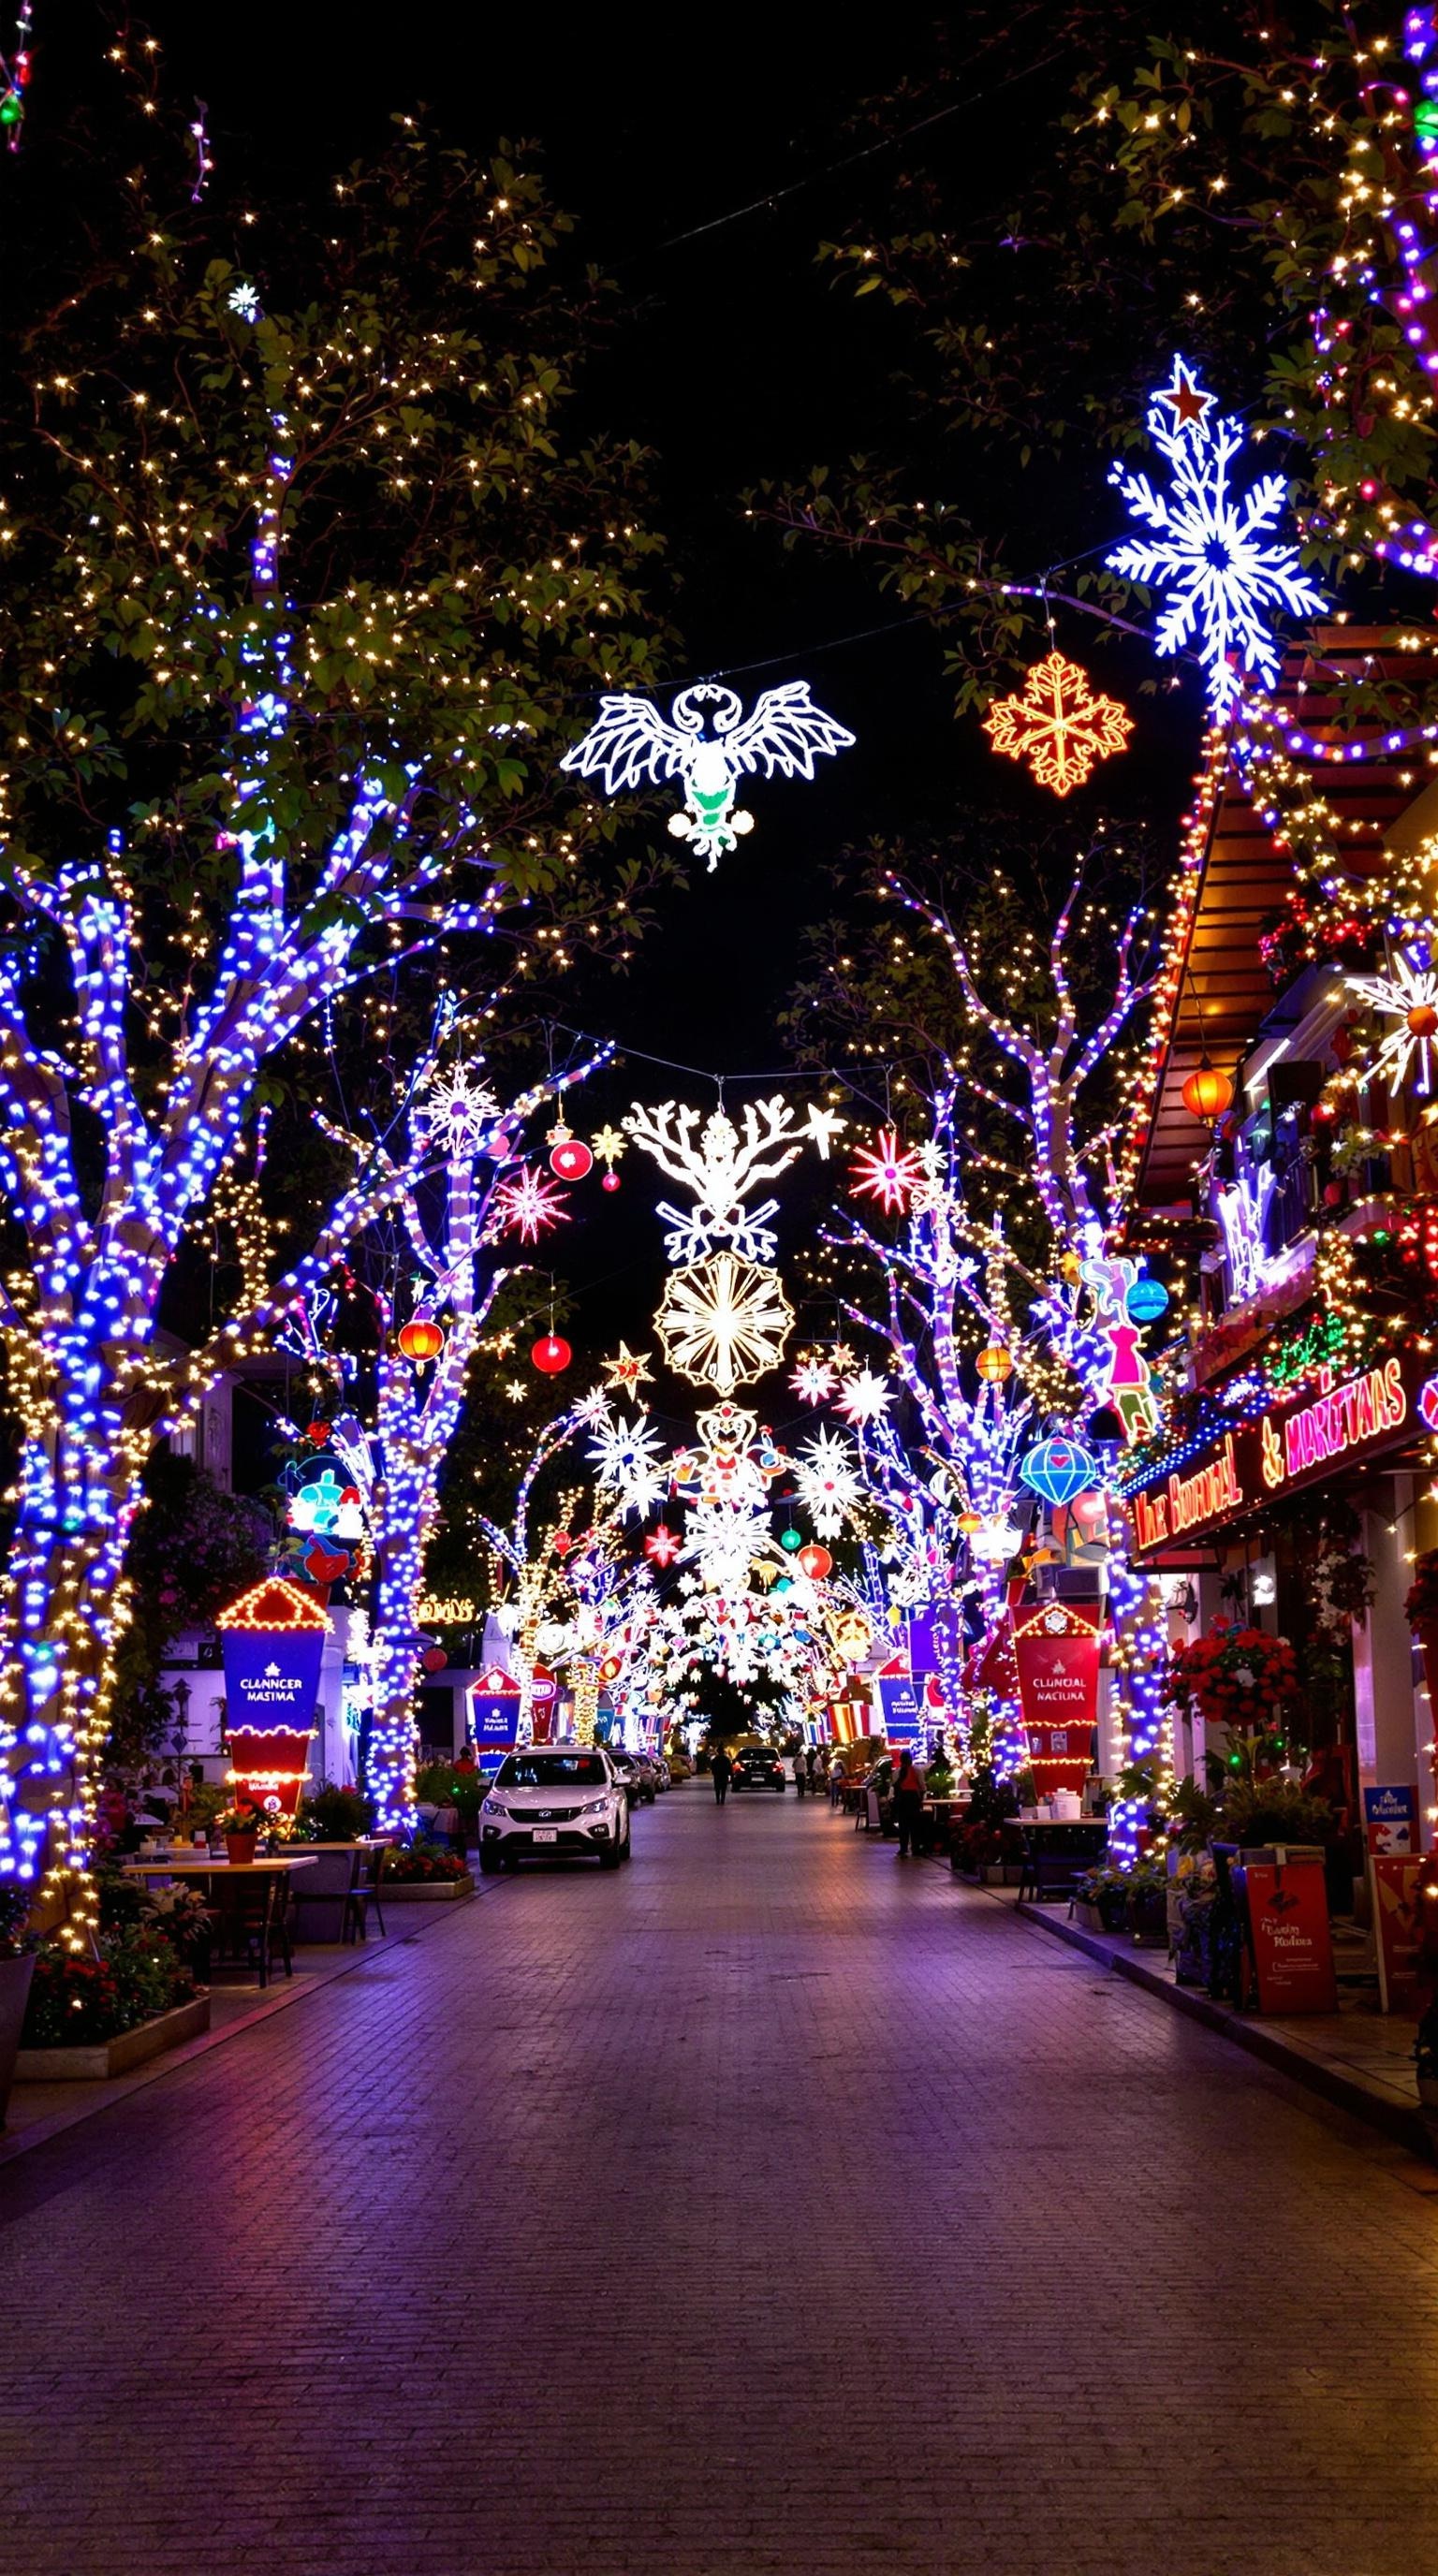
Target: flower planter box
[425, 1891]
[15, 1976]
[104, 2057]
[1002, 1873]
[1088, 1916]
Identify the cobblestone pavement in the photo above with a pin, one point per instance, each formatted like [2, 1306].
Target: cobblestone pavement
[773, 2205]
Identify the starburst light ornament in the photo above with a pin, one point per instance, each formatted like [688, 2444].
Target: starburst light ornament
[827, 1482]
[1058, 724]
[627, 1370]
[888, 1171]
[723, 1321]
[864, 1397]
[813, 1380]
[1408, 993]
[704, 742]
[526, 1205]
[1211, 549]
[626, 1455]
[455, 1110]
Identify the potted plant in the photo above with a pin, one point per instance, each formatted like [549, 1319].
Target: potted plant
[98, 2016]
[1237, 1676]
[242, 1827]
[1148, 1903]
[17, 1967]
[1259, 1814]
[1195, 1898]
[330, 1814]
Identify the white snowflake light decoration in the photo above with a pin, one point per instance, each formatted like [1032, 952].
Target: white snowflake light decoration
[527, 1205]
[864, 1397]
[1408, 994]
[827, 1482]
[1211, 549]
[455, 1110]
[704, 743]
[814, 1380]
[723, 1321]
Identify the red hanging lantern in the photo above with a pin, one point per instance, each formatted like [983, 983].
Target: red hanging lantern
[434, 1659]
[421, 1340]
[1207, 1094]
[551, 1354]
[816, 1561]
[569, 1157]
[610, 1181]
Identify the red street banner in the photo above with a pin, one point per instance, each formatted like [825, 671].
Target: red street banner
[1397, 1882]
[1292, 1945]
[1056, 1649]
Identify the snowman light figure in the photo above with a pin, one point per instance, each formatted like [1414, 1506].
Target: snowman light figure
[704, 743]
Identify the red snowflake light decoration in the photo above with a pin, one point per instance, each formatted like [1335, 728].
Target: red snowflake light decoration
[526, 1205]
[662, 1546]
[888, 1171]
[1058, 725]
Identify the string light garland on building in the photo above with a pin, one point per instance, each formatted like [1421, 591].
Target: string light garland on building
[1058, 724]
[709, 744]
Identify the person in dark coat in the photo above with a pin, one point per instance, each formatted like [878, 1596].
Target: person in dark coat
[908, 1804]
[721, 1771]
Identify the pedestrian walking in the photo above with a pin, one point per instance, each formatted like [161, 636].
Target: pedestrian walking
[811, 1766]
[908, 1804]
[800, 1778]
[721, 1771]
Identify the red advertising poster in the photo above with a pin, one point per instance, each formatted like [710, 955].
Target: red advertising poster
[1056, 1649]
[1396, 1880]
[1288, 1913]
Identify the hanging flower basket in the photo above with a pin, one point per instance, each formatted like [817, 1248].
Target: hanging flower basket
[1238, 1677]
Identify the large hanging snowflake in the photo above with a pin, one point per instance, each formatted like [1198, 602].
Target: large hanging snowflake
[1408, 993]
[827, 1482]
[455, 1110]
[1058, 725]
[627, 1456]
[723, 1321]
[526, 1205]
[1211, 548]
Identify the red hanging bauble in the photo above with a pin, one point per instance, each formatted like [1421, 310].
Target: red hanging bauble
[610, 1181]
[569, 1157]
[434, 1659]
[551, 1354]
[816, 1561]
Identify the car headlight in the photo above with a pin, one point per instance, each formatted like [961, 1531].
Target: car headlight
[494, 1807]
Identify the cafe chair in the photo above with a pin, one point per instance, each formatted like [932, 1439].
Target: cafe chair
[326, 1891]
[364, 1893]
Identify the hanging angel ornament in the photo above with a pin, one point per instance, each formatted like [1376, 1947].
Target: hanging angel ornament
[708, 742]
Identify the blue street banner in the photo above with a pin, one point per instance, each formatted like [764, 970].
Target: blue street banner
[923, 1644]
[272, 1678]
[903, 1706]
[1390, 1819]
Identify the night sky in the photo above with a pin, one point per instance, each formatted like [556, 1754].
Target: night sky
[737, 359]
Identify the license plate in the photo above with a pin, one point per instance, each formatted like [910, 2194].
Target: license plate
[546, 1834]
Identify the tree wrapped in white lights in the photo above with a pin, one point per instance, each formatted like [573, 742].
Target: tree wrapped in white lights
[284, 565]
[443, 1192]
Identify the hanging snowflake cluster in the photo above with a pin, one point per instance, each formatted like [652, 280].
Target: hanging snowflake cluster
[724, 1319]
[827, 1482]
[1211, 548]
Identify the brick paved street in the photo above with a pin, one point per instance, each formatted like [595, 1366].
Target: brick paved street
[771, 2206]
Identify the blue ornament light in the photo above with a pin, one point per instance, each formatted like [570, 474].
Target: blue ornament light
[1147, 1299]
[1056, 1469]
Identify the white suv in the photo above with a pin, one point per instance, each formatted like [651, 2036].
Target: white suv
[551, 1801]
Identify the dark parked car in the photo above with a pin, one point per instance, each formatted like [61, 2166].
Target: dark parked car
[629, 1774]
[758, 1768]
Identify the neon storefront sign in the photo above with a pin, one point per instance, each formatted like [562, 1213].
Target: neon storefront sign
[1286, 1446]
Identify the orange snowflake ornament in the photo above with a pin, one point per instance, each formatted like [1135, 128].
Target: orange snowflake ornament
[1058, 725]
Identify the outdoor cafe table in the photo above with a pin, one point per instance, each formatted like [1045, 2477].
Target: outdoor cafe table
[272, 1871]
[1056, 1848]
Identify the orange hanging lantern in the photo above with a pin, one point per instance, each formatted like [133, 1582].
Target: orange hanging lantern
[421, 1340]
[994, 1364]
[1207, 1094]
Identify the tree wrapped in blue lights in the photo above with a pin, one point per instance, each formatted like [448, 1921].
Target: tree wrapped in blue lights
[301, 571]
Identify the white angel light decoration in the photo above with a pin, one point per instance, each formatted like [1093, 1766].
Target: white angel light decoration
[704, 742]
